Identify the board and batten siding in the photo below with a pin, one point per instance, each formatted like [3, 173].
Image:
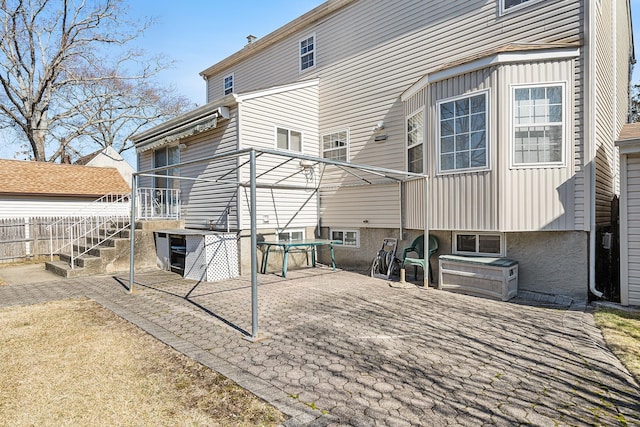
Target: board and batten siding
[537, 199]
[371, 51]
[294, 109]
[630, 240]
[503, 198]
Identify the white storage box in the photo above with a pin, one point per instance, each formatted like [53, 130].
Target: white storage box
[482, 276]
[199, 255]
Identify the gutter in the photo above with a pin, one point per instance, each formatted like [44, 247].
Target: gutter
[590, 141]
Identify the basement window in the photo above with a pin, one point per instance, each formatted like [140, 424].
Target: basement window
[487, 244]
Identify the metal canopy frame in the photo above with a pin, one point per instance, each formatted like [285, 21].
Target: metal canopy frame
[384, 176]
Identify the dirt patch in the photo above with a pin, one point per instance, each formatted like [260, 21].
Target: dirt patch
[76, 363]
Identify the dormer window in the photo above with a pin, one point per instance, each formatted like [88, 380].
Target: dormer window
[228, 84]
[308, 53]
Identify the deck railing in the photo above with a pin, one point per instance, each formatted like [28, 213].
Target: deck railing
[158, 203]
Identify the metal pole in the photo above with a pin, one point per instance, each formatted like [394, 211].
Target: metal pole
[132, 233]
[254, 246]
[426, 233]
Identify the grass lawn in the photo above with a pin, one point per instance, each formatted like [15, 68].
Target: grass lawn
[76, 363]
[621, 331]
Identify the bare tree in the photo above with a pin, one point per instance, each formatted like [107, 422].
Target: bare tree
[67, 76]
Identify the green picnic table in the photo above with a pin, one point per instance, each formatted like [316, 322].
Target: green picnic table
[296, 244]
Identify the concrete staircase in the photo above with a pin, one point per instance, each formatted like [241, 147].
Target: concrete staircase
[111, 255]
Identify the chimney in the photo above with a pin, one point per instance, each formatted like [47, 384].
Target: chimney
[251, 39]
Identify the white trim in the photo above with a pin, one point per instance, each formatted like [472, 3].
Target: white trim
[512, 9]
[624, 236]
[423, 110]
[224, 84]
[346, 230]
[346, 147]
[488, 119]
[454, 243]
[276, 89]
[566, 131]
[314, 52]
[289, 130]
[497, 59]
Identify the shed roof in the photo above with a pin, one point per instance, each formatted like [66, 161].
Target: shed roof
[629, 139]
[41, 178]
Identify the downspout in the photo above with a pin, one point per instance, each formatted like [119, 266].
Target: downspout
[590, 139]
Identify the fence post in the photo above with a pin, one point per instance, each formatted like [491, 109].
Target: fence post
[27, 236]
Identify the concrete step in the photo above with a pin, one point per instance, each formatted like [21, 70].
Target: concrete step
[63, 269]
[91, 263]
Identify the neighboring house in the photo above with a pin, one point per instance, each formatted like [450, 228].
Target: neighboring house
[511, 107]
[108, 158]
[41, 189]
[629, 144]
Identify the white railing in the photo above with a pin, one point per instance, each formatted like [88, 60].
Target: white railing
[78, 234]
[158, 203]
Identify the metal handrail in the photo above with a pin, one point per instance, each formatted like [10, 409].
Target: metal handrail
[158, 203]
[89, 231]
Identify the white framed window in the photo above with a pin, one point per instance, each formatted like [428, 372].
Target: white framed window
[349, 238]
[463, 133]
[228, 84]
[335, 146]
[415, 142]
[538, 125]
[166, 156]
[290, 235]
[472, 243]
[507, 6]
[287, 139]
[307, 50]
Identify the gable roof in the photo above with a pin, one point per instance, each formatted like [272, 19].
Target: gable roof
[41, 178]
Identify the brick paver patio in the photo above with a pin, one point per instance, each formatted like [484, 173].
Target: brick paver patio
[345, 349]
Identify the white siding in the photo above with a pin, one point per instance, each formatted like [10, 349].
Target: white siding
[206, 200]
[630, 240]
[296, 110]
[27, 206]
[373, 206]
[605, 125]
[371, 51]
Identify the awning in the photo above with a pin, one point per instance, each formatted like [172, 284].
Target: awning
[182, 132]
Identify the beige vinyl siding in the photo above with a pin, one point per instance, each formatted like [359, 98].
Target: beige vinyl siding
[502, 198]
[371, 51]
[365, 206]
[297, 110]
[145, 162]
[632, 294]
[205, 201]
[463, 200]
[605, 125]
[540, 198]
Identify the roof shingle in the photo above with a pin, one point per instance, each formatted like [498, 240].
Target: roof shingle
[42, 178]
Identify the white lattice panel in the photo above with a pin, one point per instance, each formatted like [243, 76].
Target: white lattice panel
[195, 265]
[222, 250]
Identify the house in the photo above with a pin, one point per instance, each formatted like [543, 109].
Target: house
[510, 107]
[629, 144]
[108, 157]
[41, 189]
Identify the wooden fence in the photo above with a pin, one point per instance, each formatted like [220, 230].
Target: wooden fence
[27, 238]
